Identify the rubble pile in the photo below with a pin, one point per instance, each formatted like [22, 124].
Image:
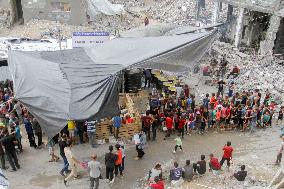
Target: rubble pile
[180, 12]
[255, 74]
[4, 18]
[37, 29]
[183, 12]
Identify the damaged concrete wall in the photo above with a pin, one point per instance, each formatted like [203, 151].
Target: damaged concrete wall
[67, 11]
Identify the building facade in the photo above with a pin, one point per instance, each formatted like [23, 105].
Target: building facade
[67, 11]
[257, 23]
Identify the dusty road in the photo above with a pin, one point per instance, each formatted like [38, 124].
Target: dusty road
[257, 151]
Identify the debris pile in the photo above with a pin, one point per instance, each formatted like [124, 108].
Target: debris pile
[254, 73]
[183, 12]
[5, 21]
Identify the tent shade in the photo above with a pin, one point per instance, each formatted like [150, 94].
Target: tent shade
[83, 83]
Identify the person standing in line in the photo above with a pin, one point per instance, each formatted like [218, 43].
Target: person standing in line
[18, 136]
[18, 109]
[71, 125]
[2, 157]
[91, 130]
[94, 171]
[30, 132]
[63, 144]
[227, 156]
[155, 125]
[37, 130]
[110, 159]
[72, 162]
[147, 123]
[116, 121]
[118, 161]
[8, 142]
[122, 147]
[169, 125]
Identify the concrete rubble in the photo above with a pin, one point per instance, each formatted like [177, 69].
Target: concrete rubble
[255, 74]
[182, 12]
[5, 21]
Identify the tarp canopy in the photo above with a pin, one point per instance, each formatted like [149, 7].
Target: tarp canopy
[83, 83]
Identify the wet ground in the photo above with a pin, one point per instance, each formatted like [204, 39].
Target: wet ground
[257, 151]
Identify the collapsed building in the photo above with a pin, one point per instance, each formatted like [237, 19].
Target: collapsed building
[257, 24]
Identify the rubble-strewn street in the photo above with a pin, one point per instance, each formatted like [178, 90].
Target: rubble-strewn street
[125, 92]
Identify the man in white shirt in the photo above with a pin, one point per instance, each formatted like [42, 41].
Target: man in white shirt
[94, 171]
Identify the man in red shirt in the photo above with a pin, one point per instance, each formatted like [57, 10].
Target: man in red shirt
[147, 123]
[181, 124]
[159, 184]
[169, 125]
[228, 150]
[118, 161]
[214, 163]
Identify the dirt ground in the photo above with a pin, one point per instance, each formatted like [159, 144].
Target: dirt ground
[257, 151]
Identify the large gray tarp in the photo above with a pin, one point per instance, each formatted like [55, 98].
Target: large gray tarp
[82, 84]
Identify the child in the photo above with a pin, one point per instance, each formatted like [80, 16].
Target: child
[178, 143]
[51, 144]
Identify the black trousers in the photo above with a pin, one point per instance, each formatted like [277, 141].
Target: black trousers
[140, 152]
[181, 131]
[147, 132]
[176, 147]
[279, 157]
[154, 132]
[109, 173]
[169, 131]
[13, 159]
[39, 138]
[223, 160]
[2, 156]
[117, 168]
[196, 168]
[116, 132]
[32, 140]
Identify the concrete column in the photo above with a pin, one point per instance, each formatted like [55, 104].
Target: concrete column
[239, 26]
[216, 11]
[267, 45]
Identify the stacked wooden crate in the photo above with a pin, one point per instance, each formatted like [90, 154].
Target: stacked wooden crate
[103, 130]
[128, 130]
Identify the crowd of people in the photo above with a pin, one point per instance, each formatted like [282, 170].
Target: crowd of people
[178, 113]
[179, 174]
[12, 114]
[246, 110]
